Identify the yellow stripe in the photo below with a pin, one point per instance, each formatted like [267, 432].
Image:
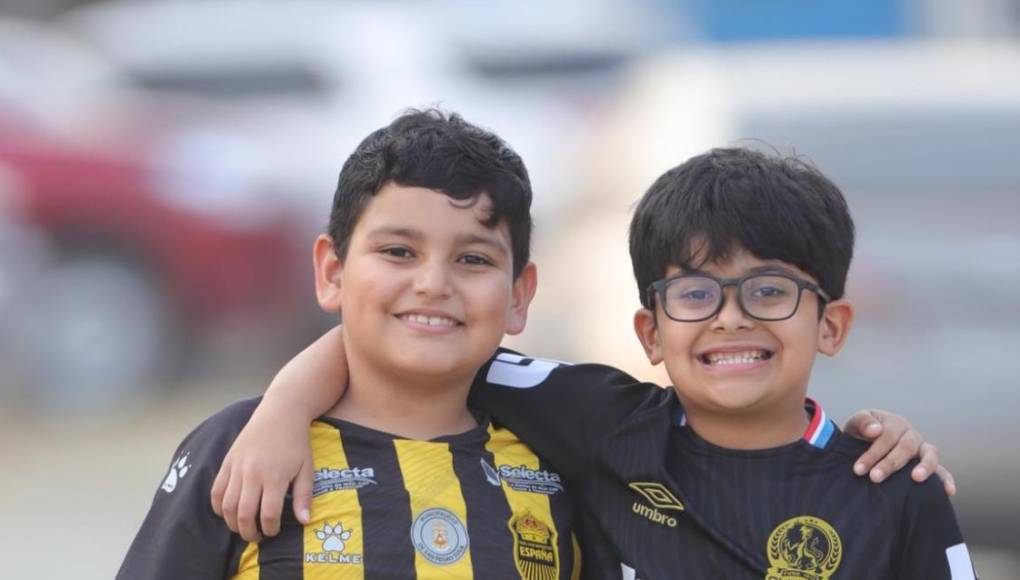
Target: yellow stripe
[335, 509]
[507, 449]
[248, 567]
[442, 547]
[576, 573]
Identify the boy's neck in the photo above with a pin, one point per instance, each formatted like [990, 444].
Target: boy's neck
[412, 407]
[767, 428]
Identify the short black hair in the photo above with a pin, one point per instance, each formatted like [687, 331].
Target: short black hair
[443, 152]
[776, 207]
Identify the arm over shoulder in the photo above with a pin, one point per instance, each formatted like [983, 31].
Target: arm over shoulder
[181, 537]
[562, 411]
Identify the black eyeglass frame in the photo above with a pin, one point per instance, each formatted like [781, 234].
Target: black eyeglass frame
[659, 288]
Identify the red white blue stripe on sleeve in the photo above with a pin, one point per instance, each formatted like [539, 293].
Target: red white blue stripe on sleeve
[821, 428]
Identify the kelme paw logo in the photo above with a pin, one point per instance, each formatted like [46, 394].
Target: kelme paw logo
[333, 537]
[178, 469]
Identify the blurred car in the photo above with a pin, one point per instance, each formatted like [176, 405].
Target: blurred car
[923, 139]
[21, 257]
[301, 82]
[545, 70]
[305, 81]
[52, 81]
[142, 261]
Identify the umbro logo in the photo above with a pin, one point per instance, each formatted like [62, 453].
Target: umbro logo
[660, 498]
[657, 495]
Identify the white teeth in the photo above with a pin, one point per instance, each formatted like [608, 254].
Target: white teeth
[734, 358]
[429, 320]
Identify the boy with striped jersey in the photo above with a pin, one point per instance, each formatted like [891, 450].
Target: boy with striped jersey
[427, 260]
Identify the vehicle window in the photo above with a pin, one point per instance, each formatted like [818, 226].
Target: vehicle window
[235, 82]
[516, 67]
[935, 149]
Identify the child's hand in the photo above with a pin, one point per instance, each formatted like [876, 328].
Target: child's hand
[273, 448]
[894, 442]
[270, 452]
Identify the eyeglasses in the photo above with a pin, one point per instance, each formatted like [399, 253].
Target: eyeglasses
[697, 297]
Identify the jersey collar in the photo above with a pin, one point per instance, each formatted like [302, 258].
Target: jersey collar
[818, 433]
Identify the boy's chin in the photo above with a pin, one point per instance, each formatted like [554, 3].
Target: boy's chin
[731, 399]
[436, 367]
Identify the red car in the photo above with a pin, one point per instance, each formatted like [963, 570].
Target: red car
[144, 262]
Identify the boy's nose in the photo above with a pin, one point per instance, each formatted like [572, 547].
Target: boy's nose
[433, 280]
[731, 316]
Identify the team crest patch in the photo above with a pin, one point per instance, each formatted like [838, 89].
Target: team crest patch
[804, 547]
[439, 536]
[535, 548]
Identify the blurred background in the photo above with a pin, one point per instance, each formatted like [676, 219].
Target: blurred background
[165, 166]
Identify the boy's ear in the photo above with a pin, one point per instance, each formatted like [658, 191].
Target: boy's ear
[834, 327]
[327, 274]
[522, 293]
[648, 333]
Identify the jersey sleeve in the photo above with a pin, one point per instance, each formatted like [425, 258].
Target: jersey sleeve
[563, 411]
[931, 543]
[181, 537]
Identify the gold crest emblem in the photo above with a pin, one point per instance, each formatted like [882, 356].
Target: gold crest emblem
[804, 547]
[439, 535]
[535, 549]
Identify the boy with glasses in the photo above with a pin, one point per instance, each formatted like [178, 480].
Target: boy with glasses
[741, 261]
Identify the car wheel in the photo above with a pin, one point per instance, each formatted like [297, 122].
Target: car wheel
[96, 328]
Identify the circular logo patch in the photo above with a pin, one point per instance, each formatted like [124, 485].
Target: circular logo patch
[804, 547]
[439, 536]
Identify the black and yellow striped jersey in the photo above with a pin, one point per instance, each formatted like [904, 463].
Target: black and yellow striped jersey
[474, 505]
[674, 506]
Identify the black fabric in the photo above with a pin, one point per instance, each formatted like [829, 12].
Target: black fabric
[607, 433]
[181, 537]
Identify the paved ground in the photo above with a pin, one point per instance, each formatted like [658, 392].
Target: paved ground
[74, 491]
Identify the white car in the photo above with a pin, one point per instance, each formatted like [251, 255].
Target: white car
[305, 81]
[51, 81]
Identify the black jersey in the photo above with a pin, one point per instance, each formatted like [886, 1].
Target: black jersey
[675, 506]
[474, 505]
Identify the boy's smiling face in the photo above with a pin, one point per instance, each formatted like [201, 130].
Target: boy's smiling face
[425, 289]
[735, 364]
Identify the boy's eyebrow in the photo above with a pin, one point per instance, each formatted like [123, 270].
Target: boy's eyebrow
[464, 239]
[491, 241]
[400, 232]
[770, 268]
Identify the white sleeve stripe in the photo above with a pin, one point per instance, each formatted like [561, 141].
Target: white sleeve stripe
[628, 572]
[960, 566]
[517, 372]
